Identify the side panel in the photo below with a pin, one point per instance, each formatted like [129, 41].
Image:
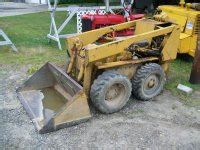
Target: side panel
[193, 45]
[188, 45]
[184, 45]
[189, 28]
[170, 49]
[128, 70]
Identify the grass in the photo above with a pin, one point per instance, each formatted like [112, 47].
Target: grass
[180, 73]
[28, 32]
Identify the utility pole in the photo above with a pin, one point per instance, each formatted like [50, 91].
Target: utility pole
[195, 73]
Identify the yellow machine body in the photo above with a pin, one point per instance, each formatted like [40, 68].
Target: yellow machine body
[97, 55]
[91, 52]
[189, 21]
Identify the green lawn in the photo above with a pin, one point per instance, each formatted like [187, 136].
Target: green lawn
[180, 73]
[28, 32]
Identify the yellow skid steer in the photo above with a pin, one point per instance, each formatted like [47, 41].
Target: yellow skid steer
[103, 68]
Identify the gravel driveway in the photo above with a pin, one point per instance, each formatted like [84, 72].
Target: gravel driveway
[162, 123]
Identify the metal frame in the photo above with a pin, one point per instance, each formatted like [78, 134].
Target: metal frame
[7, 41]
[55, 31]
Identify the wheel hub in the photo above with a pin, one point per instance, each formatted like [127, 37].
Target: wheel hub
[114, 92]
[151, 83]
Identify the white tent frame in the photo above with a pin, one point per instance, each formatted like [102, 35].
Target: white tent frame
[7, 41]
[55, 32]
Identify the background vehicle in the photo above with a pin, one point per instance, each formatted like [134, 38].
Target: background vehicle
[187, 16]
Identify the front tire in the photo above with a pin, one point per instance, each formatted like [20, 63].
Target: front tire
[148, 81]
[110, 92]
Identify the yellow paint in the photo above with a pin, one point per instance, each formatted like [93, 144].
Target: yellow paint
[122, 63]
[170, 48]
[188, 19]
[115, 47]
[114, 54]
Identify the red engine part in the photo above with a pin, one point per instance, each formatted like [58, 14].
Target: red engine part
[91, 22]
[103, 20]
[136, 16]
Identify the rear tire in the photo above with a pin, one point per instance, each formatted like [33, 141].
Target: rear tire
[110, 92]
[148, 81]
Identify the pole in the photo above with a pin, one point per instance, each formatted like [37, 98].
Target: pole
[107, 3]
[195, 73]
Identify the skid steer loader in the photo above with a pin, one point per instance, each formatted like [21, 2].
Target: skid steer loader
[103, 68]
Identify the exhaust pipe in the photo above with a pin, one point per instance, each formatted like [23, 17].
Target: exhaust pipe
[53, 100]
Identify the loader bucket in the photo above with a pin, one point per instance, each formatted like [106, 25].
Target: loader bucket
[53, 100]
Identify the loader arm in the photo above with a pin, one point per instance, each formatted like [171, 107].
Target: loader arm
[93, 35]
[116, 47]
[101, 51]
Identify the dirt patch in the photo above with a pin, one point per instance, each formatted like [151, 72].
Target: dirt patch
[162, 123]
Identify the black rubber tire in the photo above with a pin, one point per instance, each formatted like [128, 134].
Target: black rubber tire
[141, 77]
[101, 86]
